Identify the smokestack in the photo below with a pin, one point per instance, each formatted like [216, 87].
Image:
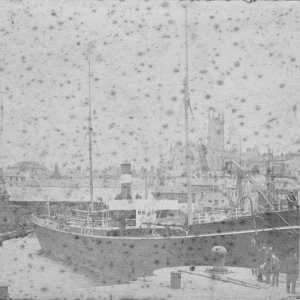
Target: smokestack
[126, 181]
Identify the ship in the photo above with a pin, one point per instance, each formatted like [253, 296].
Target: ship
[117, 252]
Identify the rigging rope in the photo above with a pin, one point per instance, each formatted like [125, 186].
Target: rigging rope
[274, 228]
[265, 197]
[158, 181]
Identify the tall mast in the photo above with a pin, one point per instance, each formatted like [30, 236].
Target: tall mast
[186, 118]
[90, 140]
[240, 151]
[1, 133]
[269, 175]
[2, 114]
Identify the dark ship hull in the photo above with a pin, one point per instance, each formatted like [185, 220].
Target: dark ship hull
[120, 259]
[262, 221]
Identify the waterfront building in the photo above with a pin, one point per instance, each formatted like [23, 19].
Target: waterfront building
[292, 167]
[35, 170]
[14, 176]
[56, 173]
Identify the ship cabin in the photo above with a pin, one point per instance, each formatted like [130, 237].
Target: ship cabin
[142, 212]
[176, 189]
[120, 217]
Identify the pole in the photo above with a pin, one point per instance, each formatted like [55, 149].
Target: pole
[253, 214]
[48, 209]
[269, 175]
[273, 195]
[225, 279]
[146, 184]
[90, 142]
[298, 203]
[1, 133]
[240, 151]
[186, 118]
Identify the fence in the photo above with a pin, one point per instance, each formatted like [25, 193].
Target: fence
[200, 218]
[76, 222]
[130, 222]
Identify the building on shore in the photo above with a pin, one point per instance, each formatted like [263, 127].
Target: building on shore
[12, 176]
[34, 170]
[292, 167]
[56, 174]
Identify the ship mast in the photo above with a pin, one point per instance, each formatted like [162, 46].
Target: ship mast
[90, 143]
[1, 133]
[186, 118]
[2, 114]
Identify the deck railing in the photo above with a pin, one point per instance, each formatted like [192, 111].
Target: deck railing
[168, 221]
[75, 222]
[45, 222]
[209, 217]
[130, 222]
[103, 223]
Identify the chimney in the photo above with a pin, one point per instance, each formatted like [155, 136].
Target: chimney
[126, 181]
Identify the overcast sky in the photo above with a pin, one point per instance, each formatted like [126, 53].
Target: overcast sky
[244, 61]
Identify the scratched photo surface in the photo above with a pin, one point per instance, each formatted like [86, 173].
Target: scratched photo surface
[149, 149]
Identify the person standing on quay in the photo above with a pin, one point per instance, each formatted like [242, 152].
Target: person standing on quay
[275, 270]
[268, 263]
[261, 259]
[253, 253]
[292, 270]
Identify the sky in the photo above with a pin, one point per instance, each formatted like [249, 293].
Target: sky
[243, 61]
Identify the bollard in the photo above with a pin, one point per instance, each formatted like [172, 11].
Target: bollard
[218, 254]
[3, 291]
[175, 280]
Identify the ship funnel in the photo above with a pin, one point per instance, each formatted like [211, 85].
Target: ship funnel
[126, 181]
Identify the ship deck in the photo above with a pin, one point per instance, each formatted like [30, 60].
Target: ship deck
[40, 223]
